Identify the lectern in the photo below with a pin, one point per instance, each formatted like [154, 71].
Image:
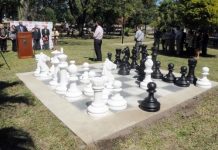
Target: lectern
[24, 44]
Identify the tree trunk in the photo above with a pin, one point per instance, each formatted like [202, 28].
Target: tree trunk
[23, 10]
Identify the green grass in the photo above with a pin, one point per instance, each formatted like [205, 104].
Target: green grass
[193, 127]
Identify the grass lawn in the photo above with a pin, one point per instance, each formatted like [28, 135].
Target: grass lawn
[26, 122]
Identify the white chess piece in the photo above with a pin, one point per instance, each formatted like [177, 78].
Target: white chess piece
[62, 50]
[148, 70]
[37, 71]
[88, 90]
[54, 81]
[204, 82]
[73, 93]
[63, 75]
[108, 66]
[98, 108]
[44, 69]
[62, 58]
[84, 77]
[117, 102]
[53, 59]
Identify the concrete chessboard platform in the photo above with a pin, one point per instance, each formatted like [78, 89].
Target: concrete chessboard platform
[74, 114]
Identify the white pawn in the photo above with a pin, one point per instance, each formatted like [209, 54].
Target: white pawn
[98, 108]
[73, 93]
[204, 82]
[148, 70]
[117, 102]
[84, 77]
[88, 91]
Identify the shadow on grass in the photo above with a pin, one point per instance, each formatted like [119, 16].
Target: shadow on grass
[183, 55]
[11, 138]
[7, 100]
[1, 65]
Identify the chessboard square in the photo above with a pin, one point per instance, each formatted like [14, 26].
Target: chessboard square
[132, 83]
[115, 111]
[161, 83]
[125, 94]
[135, 90]
[172, 88]
[133, 101]
[125, 85]
[163, 92]
[81, 104]
[123, 78]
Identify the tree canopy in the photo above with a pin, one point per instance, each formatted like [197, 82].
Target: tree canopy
[167, 13]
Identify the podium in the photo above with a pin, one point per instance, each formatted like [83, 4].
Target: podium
[24, 44]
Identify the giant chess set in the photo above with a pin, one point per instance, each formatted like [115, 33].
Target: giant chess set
[112, 95]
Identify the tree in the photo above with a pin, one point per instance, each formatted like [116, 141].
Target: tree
[81, 10]
[198, 13]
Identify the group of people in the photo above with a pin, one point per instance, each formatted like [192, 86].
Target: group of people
[37, 34]
[178, 42]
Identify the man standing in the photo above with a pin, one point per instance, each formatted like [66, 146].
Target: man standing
[21, 27]
[139, 38]
[45, 37]
[3, 37]
[36, 34]
[98, 35]
[178, 38]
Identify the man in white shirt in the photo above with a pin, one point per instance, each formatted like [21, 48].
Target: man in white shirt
[139, 38]
[98, 35]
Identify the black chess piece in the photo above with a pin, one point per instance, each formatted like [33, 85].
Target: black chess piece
[134, 58]
[182, 81]
[126, 56]
[144, 55]
[117, 57]
[154, 59]
[150, 103]
[156, 74]
[169, 77]
[109, 55]
[144, 52]
[124, 67]
[191, 73]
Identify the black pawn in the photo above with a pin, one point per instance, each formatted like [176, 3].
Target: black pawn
[134, 58]
[191, 73]
[169, 77]
[117, 57]
[150, 103]
[109, 55]
[157, 73]
[182, 81]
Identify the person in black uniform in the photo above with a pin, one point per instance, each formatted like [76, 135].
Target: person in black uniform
[36, 34]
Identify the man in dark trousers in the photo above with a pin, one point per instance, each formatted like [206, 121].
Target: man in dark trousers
[3, 38]
[21, 27]
[98, 35]
[36, 34]
[45, 37]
